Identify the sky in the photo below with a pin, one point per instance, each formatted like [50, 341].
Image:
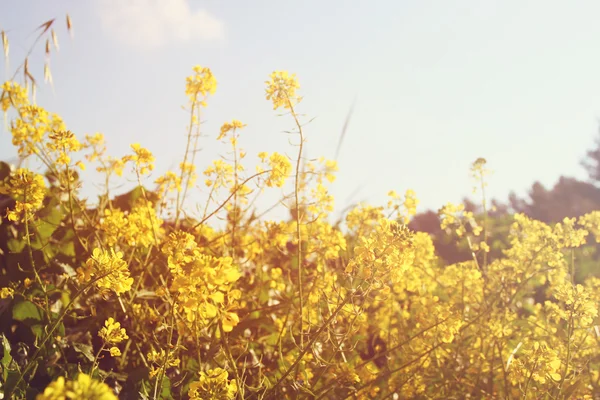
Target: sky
[435, 84]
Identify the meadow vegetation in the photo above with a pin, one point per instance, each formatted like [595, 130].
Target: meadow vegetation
[131, 297]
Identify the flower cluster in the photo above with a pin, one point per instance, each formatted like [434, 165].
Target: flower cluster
[27, 189]
[202, 282]
[387, 250]
[213, 384]
[109, 271]
[280, 168]
[221, 303]
[201, 83]
[84, 387]
[281, 89]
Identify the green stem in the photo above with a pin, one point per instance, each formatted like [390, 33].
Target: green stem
[53, 327]
[95, 363]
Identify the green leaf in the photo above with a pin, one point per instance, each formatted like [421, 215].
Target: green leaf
[166, 388]
[68, 249]
[16, 245]
[10, 383]
[6, 357]
[46, 226]
[165, 392]
[28, 313]
[85, 349]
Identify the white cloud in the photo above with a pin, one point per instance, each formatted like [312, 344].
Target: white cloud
[155, 23]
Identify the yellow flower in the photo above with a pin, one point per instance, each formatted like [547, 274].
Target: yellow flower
[27, 189]
[230, 320]
[169, 182]
[83, 388]
[213, 384]
[62, 143]
[202, 83]
[228, 126]
[13, 95]
[115, 352]
[157, 359]
[112, 333]
[281, 89]
[109, 265]
[280, 169]
[6, 292]
[142, 158]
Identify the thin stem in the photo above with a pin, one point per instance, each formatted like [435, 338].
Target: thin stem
[53, 327]
[229, 198]
[185, 156]
[485, 220]
[225, 342]
[95, 363]
[163, 368]
[298, 233]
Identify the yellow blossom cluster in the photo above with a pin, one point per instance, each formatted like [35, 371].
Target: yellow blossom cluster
[13, 95]
[134, 228]
[280, 168]
[112, 333]
[158, 359]
[27, 189]
[229, 126]
[386, 251]
[142, 159]
[202, 282]
[201, 83]
[108, 270]
[229, 305]
[213, 384]
[84, 387]
[32, 127]
[281, 89]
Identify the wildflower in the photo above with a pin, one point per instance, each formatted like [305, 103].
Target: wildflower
[213, 384]
[201, 281]
[388, 249]
[83, 388]
[6, 292]
[97, 144]
[228, 126]
[62, 143]
[591, 222]
[29, 130]
[280, 169]
[220, 173]
[135, 228]
[281, 89]
[169, 182]
[115, 351]
[27, 189]
[111, 165]
[539, 362]
[188, 170]
[13, 95]
[410, 203]
[142, 158]
[112, 333]
[202, 83]
[159, 358]
[478, 173]
[109, 265]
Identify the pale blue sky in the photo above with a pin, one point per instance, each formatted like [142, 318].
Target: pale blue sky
[437, 83]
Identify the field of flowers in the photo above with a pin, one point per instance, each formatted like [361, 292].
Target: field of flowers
[131, 298]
